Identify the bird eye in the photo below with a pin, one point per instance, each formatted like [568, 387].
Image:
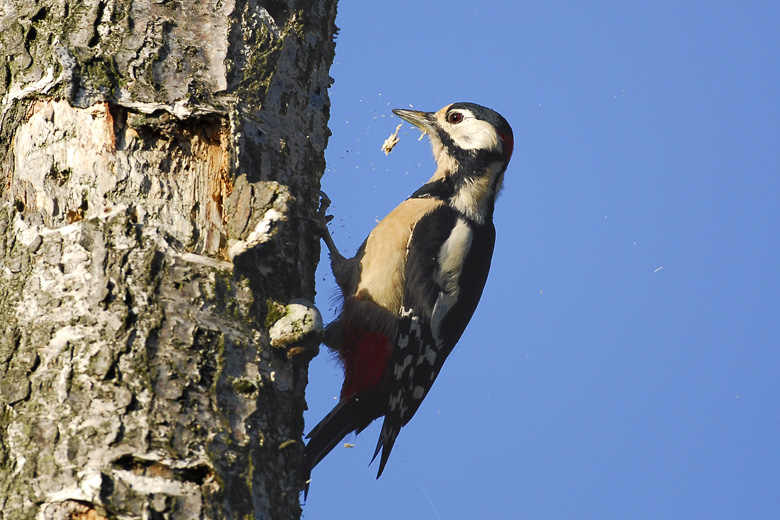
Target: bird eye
[454, 118]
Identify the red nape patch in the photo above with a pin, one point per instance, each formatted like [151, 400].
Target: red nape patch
[365, 356]
[509, 145]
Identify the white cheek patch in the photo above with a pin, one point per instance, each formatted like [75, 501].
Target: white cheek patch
[474, 134]
[471, 133]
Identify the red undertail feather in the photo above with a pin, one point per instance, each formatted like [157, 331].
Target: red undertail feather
[365, 356]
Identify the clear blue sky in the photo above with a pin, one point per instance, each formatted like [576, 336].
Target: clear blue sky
[625, 360]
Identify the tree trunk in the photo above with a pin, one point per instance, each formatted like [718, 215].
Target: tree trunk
[159, 166]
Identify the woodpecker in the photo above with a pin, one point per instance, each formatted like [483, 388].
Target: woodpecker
[415, 282]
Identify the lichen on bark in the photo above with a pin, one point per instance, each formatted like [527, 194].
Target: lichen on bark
[158, 166]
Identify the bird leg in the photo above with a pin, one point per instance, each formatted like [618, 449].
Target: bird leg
[342, 267]
[322, 220]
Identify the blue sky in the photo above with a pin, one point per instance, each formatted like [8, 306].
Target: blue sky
[625, 359]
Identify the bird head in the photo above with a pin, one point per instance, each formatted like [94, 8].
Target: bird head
[463, 131]
[472, 146]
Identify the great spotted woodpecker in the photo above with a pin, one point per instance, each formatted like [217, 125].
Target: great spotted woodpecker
[413, 285]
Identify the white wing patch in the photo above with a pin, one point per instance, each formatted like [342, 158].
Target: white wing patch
[451, 256]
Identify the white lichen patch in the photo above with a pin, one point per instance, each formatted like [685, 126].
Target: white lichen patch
[260, 234]
[87, 488]
[301, 323]
[149, 485]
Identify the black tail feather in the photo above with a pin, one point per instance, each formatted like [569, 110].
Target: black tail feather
[329, 432]
[349, 415]
[385, 443]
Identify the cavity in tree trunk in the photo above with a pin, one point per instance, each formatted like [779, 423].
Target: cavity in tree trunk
[159, 167]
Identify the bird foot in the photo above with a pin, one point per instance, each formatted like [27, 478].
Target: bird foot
[322, 224]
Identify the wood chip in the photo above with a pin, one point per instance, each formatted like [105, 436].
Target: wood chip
[391, 141]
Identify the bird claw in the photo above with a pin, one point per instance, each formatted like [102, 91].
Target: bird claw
[321, 221]
[321, 218]
[324, 205]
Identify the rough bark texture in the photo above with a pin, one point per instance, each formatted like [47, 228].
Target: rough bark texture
[156, 160]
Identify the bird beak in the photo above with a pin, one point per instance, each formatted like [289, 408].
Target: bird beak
[425, 121]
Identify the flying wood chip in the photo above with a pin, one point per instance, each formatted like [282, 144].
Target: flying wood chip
[391, 141]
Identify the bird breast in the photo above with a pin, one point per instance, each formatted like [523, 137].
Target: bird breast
[383, 264]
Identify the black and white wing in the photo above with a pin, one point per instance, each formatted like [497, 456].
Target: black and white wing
[448, 263]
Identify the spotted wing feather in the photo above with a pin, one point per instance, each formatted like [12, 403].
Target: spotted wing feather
[433, 316]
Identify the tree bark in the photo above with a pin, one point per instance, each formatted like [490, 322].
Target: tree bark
[159, 167]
